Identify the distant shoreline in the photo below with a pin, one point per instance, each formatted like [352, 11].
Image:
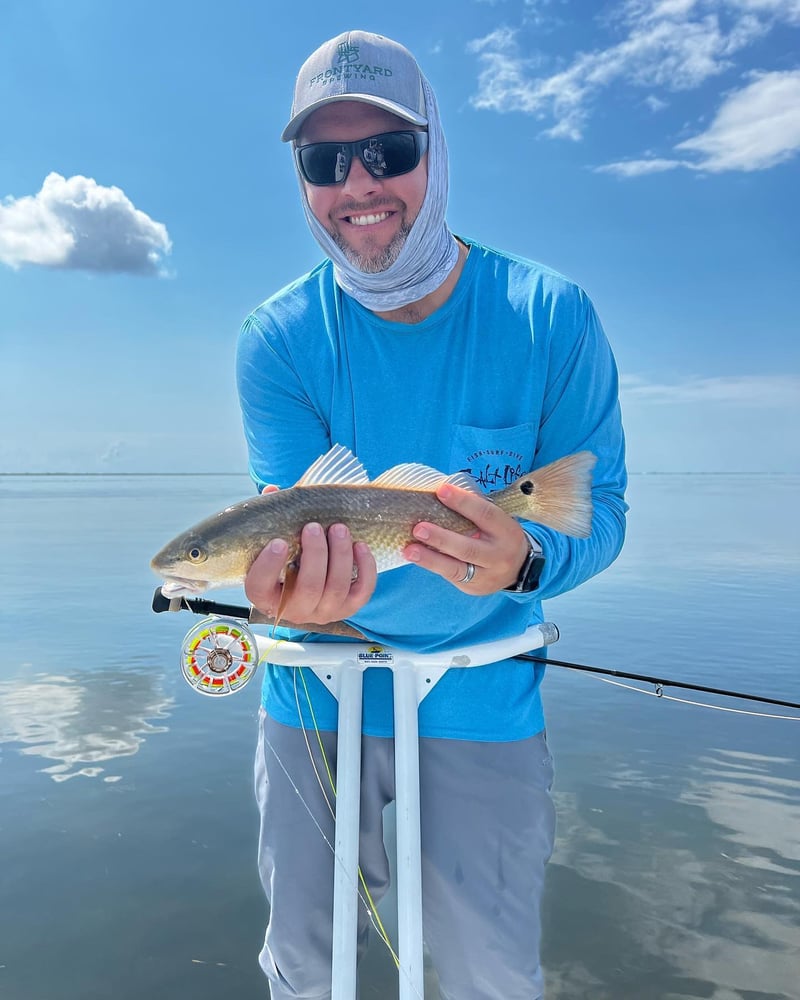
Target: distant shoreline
[101, 475]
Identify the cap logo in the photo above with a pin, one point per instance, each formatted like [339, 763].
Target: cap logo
[347, 67]
[348, 53]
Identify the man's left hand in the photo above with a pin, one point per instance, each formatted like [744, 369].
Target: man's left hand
[497, 549]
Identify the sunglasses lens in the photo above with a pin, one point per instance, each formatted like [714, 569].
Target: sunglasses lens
[387, 155]
[324, 162]
[391, 154]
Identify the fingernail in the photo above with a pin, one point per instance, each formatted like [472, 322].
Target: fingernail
[314, 529]
[422, 533]
[278, 546]
[339, 531]
[412, 554]
[444, 492]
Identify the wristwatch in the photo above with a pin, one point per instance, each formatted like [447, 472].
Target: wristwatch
[531, 569]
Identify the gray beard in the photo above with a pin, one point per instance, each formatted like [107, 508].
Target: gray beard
[374, 263]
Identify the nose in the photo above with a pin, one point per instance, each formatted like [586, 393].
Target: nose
[359, 181]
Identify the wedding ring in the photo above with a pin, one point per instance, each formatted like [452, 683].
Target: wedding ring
[468, 574]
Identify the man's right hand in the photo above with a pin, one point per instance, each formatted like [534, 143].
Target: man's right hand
[325, 588]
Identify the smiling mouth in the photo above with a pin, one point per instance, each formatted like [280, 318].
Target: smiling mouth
[368, 219]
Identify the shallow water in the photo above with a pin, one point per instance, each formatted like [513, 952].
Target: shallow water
[127, 822]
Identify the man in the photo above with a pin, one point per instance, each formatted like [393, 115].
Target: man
[408, 344]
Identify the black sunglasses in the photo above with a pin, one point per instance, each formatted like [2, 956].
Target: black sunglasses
[386, 155]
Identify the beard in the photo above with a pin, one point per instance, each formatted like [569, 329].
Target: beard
[377, 258]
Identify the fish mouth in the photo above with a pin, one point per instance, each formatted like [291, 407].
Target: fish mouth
[177, 586]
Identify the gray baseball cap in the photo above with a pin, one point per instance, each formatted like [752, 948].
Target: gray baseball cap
[358, 66]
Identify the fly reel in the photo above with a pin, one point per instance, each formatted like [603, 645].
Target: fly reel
[219, 656]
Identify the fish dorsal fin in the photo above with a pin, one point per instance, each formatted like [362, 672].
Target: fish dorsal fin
[339, 465]
[413, 476]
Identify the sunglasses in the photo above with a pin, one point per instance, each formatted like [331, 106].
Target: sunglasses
[389, 154]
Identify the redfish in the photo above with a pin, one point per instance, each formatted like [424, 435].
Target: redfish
[219, 551]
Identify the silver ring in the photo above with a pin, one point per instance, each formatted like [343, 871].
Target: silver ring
[469, 573]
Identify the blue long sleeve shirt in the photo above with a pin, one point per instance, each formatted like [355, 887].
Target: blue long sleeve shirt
[512, 372]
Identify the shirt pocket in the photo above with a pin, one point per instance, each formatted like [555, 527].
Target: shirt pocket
[493, 456]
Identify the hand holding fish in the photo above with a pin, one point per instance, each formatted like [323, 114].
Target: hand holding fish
[325, 588]
[497, 549]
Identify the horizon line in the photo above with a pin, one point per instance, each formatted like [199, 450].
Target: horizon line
[641, 472]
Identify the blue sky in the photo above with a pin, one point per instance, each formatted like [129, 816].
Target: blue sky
[649, 150]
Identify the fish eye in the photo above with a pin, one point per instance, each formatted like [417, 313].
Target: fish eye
[196, 553]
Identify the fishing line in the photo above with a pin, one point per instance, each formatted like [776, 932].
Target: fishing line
[324, 836]
[319, 741]
[662, 682]
[658, 693]
[368, 902]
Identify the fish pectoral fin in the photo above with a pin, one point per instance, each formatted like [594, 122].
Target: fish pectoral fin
[289, 581]
[339, 465]
[413, 476]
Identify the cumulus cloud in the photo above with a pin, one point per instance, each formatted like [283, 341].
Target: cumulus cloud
[658, 45]
[76, 223]
[755, 128]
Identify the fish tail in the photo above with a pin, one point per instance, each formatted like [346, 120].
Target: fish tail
[558, 495]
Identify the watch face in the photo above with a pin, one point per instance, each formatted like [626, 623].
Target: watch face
[530, 576]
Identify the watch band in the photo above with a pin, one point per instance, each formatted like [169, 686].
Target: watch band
[528, 579]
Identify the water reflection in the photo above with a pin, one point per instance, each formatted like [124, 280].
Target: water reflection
[696, 888]
[82, 721]
[747, 794]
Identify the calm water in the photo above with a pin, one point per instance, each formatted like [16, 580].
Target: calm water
[127, 823]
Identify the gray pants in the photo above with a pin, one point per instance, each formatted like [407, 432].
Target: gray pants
[488, 826]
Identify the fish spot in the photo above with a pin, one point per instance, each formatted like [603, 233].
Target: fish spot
[527, 487]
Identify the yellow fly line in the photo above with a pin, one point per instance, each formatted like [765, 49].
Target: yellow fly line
[367, 899]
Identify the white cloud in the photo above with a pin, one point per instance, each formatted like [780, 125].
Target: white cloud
[635, 168]
[772, 391]
[669, 45]
[75, 223]
[714, 424]
[113, 453]
[655, 103]
[784, 10]
[756, 128]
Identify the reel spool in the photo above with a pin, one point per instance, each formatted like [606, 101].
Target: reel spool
[219, 656]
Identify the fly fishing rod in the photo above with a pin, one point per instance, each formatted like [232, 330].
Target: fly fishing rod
[202, 606]
[658, 682]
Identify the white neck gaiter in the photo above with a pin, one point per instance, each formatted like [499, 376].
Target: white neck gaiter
[430, 251]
